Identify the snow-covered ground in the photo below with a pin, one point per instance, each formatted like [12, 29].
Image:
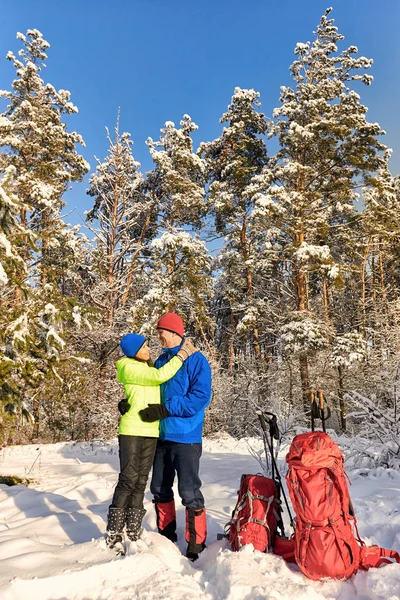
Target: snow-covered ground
[52, 546]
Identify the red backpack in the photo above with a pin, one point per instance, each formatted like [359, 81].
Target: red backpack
[327, 543]
[256, 514]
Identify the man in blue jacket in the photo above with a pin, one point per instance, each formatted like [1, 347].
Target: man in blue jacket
[181, 414]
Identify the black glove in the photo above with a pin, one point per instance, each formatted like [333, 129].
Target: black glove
[123, 406]
[153, 412]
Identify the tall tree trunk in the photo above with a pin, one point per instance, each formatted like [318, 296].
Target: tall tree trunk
[111, 244]
[373, 277]
[36, 416]
[382, 282]
[301, 305]
[279, 297]
[171, 268]
[23, 252]
[210, 349]
[231, 343]
[325, 300]
[363, 286]
[300, 276]
[132, 267]
[290, 385]
[307, 292]
[341, 398]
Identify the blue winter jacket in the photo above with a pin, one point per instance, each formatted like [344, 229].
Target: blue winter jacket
[185, 396]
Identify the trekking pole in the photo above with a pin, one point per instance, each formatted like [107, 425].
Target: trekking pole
[321, 408]
[272, 453]
[274, 432]
[312, 403]
[265, 449]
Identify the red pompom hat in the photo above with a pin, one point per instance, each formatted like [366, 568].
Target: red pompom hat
[172, 322]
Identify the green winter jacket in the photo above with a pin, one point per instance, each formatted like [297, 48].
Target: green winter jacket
[142, 387]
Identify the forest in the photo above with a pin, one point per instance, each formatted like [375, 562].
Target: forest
[302, 293]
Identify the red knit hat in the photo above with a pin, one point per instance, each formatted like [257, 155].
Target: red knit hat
[172, 322]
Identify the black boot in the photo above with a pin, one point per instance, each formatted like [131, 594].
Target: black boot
[196, 532]
[115, 527]
[134, 517]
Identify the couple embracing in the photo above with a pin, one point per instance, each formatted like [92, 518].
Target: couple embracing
[161, 425]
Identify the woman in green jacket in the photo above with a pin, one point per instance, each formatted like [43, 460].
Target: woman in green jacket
[137, 439]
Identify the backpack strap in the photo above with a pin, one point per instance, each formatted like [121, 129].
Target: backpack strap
[374, 556]
[250, 497]
[269, 501]
[304, 545]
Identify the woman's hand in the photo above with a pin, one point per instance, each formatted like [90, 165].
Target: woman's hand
[186, 350]
[123, 406]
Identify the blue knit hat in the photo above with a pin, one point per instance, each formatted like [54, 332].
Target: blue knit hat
[131, 344]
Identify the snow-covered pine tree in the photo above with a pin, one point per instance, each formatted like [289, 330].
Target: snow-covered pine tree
[391, 279]
[122, 221]
[186, 287]
[40, 157]
[66, 393]
[13, 272]
[327, 147]
[347, 350]
[180, 275]
[379, 249]
[35, 141]
[125, 217]
[232, 160]
[11, 263]
[372, 295]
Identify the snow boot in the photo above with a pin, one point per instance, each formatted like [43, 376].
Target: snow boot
[134, 518]
[115, 527]
[196, 532]
[166, 519]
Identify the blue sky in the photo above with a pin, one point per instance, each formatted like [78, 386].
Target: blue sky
[159, 59]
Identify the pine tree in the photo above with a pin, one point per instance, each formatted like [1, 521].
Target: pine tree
[35, 141]
[180, 274]
[232, 161]
[122, 221]
[125, 217]
[326, 148]
[380, 242]
[12, 272]
[39, 156]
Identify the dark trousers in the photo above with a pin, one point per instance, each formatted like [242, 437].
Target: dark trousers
[135, 458]
[184, 460]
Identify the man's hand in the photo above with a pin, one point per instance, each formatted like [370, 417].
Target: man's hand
[154, 412]
[186, 350]
[123, 406]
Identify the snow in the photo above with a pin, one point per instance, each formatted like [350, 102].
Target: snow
[3, 276]
[308, 251]
[52, 546]
[77, 316]
[304, 332]
[19, 328]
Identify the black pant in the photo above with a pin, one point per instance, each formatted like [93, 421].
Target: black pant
[135, 458]
[184, 459]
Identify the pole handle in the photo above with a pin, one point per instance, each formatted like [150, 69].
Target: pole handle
[262, 421]
[312, 395]
[321, 398]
